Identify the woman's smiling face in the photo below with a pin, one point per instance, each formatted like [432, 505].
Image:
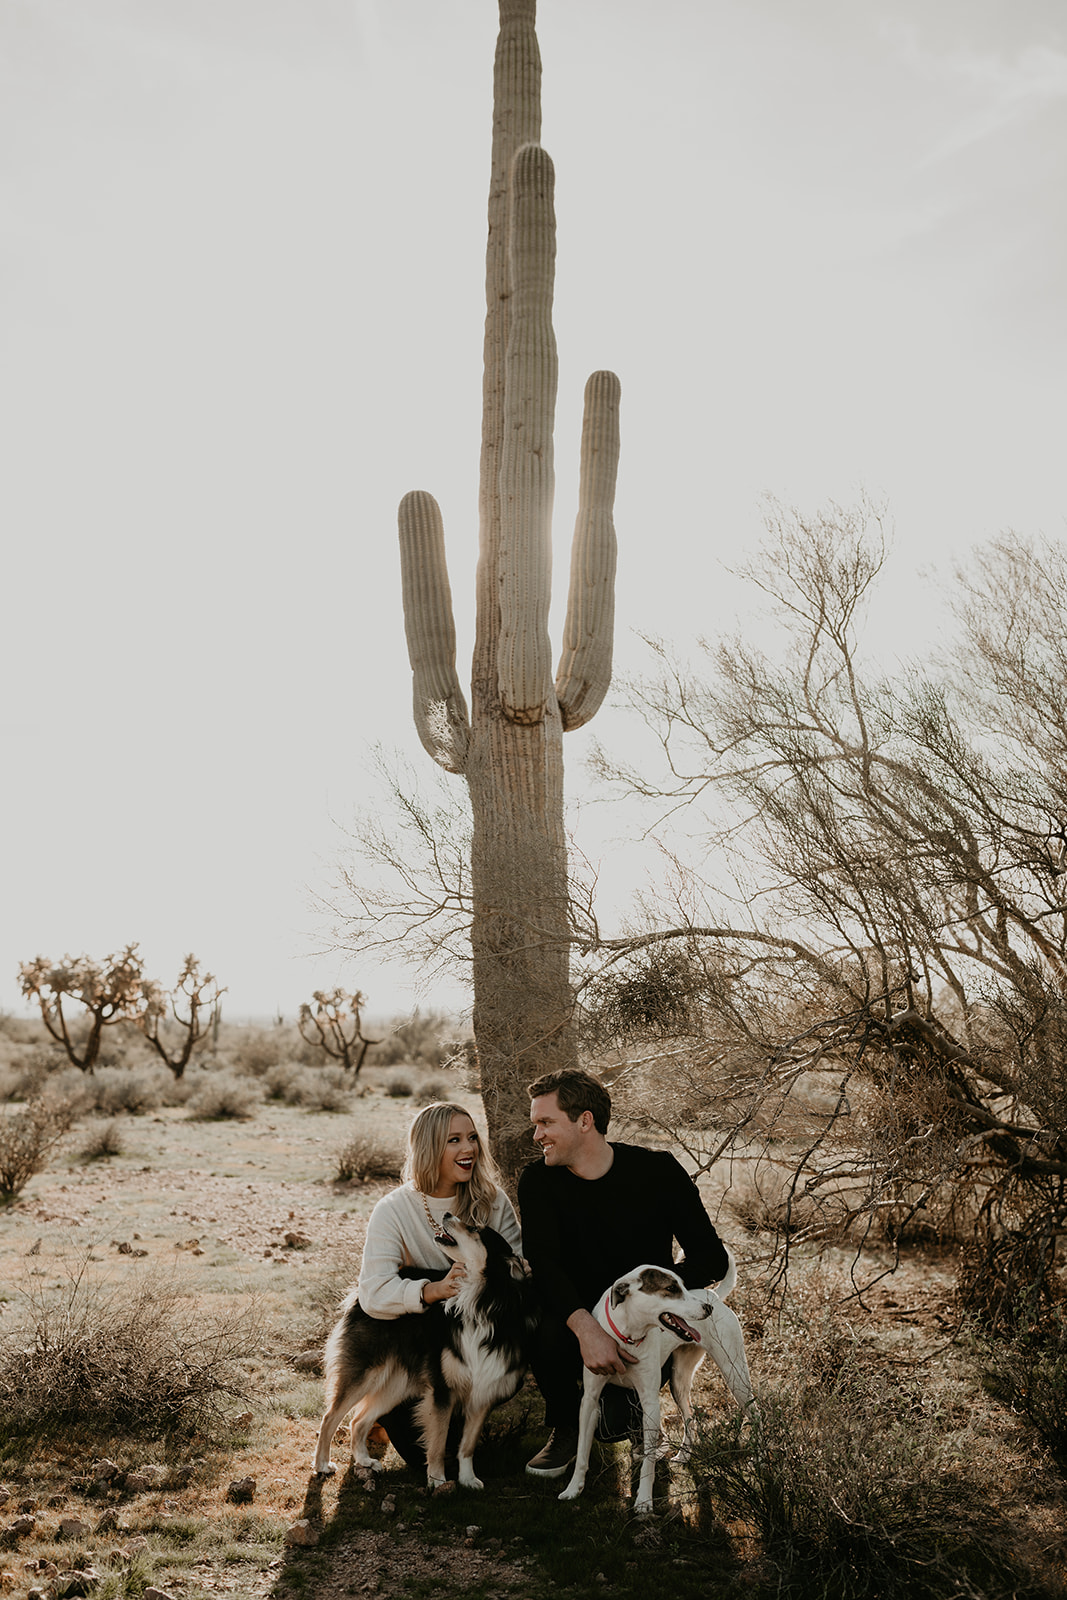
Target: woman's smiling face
[461, 1152]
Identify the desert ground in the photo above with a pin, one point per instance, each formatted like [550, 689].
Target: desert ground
[240, 1226]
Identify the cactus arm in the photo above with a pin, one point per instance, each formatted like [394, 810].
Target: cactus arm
[585, 660]
[527, 478]
[440, 708]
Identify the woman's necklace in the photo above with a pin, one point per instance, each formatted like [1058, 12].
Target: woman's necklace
[435, 1226]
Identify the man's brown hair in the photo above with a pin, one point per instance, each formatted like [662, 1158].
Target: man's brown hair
[576, 1092]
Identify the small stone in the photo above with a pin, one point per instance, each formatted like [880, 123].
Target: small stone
[152, 1593]
[106, 1470]
[302, 1533]
[5, 1494]
[138, 1542]
[56, 1500]
[473, 1531]
[22, 1526]
[297, 1241]
[181, 1477]
[108, 1521]
[241, 1491]
[245, 1420]
[73, 1528]
[27, 1507]
[308, 1361]
[388, 1506]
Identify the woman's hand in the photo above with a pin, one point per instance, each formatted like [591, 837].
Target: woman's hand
[445, 1288]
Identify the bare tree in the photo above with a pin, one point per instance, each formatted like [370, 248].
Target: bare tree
[336, 1027]
[191, 1009]
[888, 886]
[109, 991]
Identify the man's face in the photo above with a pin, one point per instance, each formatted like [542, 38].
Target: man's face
[555, 1135]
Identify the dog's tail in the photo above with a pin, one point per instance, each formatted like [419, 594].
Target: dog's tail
[729, 1283]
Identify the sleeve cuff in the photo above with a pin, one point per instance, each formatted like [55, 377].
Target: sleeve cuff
[413, 1293]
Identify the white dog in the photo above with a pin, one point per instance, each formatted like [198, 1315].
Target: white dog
[653, 1314]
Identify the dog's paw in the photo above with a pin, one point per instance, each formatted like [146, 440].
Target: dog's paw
[469, 1481]
[324, 1472]
[570, 1493]
[680, 1457]
[642, 1508]
[368, 1463]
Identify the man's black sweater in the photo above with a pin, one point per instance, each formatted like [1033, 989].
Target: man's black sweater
[580, 1234]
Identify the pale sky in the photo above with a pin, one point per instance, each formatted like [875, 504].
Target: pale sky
[822, 243]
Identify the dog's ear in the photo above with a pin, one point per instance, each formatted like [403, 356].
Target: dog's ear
[619, 1291]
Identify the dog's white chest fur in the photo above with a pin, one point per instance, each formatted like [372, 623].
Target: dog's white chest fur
[488, 1375]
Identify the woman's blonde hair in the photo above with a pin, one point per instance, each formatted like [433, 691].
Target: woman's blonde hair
[427, 1139]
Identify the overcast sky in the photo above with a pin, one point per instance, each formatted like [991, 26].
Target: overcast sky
[242, 250]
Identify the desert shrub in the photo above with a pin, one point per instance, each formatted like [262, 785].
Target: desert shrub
[326, 1089]
[399, 1085]
[139, 1357]
[27, 1073]
[1029, 1373]
[103, 1142]
[364, 1156]
[284, 1081]
[26, 1137]
[133, 1090]
[254, 1051]
[853, 1487]
[218, 1095]
[21, 1030]
[428, 1040]
[430, 1089]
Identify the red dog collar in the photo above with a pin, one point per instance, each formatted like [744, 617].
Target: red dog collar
[623, 1338]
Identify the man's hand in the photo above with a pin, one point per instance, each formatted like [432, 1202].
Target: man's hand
[600, 1353]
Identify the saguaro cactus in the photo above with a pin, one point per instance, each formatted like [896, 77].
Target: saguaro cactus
[510, 747]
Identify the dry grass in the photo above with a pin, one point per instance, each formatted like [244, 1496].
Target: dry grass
[139, 1355]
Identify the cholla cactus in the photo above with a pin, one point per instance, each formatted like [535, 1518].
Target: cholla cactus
[338, 1028]
[509, 747]
[110, 991]
[191, 1011]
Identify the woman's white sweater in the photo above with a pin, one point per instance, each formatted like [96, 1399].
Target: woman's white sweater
[399, 1235]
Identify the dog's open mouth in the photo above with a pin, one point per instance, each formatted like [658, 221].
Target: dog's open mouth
[442, 1236]
[679, 1327]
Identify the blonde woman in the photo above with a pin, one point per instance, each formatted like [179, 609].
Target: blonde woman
[448, 1169]
[404, 1270]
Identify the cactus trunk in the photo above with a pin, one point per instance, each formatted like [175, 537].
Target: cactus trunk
[511, 750]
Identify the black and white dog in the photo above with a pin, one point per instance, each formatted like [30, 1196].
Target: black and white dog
[653, 1314]
[470, 1350]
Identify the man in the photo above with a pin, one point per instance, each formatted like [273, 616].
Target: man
[592, 1211]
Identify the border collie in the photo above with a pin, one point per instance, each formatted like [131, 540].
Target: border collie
[471, 1350]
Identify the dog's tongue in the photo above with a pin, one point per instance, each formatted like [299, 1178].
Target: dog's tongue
[679, 1327]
